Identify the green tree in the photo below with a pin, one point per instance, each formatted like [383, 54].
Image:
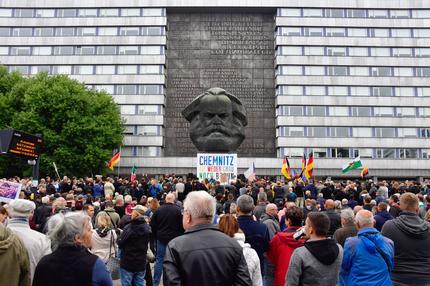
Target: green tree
[80, 127]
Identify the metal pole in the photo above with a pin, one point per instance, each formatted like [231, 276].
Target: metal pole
[35, 172]
[119, 163]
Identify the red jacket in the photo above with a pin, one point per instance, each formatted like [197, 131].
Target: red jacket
[281, 248]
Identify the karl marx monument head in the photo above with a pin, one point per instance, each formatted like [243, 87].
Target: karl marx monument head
[217, 120]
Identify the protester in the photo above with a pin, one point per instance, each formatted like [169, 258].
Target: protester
[256, 233]
[14, 262]
[110, 211]
[334, 217]
[36, 243]
[71, 262]
[382, 215]
[282, 245]
[41, 214]
[229, 225]
[411, 237]
[133, 243]
[203, 255]
[269, 218]
[367, 258]
[260, 208]
[318, 261]
[103, 238]
[348, 228]
[166, 224]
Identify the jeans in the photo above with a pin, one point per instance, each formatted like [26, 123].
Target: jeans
[159, 258]
[132, 278]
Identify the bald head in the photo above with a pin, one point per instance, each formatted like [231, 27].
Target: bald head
[170, 198]
[271, 209]
[329, 204]
[364, 218]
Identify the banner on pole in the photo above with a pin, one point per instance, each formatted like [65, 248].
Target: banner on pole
[9, 191]
[219, 167]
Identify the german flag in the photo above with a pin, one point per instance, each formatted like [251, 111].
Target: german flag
[115, 159]
[310, 166]
[285, 170]
[365, 171]
[302, 173]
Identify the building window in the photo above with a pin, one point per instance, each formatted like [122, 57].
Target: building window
[4, 51]
[381, 71]
[335, 32]
[339, 152]
[5, 13]
[152, 31]
[386, 153]
[421, 14]
[130, 12]
[148, 130]
[291, 152]
[23, 13]
[22, 32]
[423, 72]
[151, 50]
[385, 132]
[149, 110]
[109, 12]
[108, 31]
[356, 13]
[315, 70]
[380, 52]
[337, 70]
[316, 110]
[66, 13]
[45, 13]
[290, 12]
[151, 69]
[64, 31]
[86, 31]
[408, 153]
[38, 69]
[403, 72]
[44, 32]
[336, 51]
[402, 52]
[128, 109]
[422, 52]
[315, 90]
[424, 111]
[20, 51]
[423, 91]
[363, 153]
[362, 132]
[126, 89]
[4, 32]
[383, 111]
[334, 13]
[105, 69]
[357, 32]
[405, 111]
[127, 69]
[313, 32]
[63, 50]
[290, 31]
[358, 52]
[151, 89]
[338, 131]
[319, 152]
[290, 110]
[401, 33]
[312, 12]
[290, 90]
[314, 51]
[106, 50]
[290, 50]
[85, 50]
[360, 91]
[421, 33]
[405, 91]
[338, 91]
[379, 33]
[382, 91]
[85, 70]
[316, 132]
[87, 13]
[407, 132]
[25, 70]
[378, 13]
[291, 70]
[425, 132]
[153, 12]
[62, 70]
[426, 153]
[364, 111]
[296, 131]
[129, 31]
[110, 89]
[338, 110]
[399, 14]
[128, 50]
[359, 71]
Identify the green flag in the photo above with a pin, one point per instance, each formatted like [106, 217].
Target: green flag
[352, 165]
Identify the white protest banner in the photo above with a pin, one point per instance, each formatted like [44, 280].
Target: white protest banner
[219, 167]
[9, 191]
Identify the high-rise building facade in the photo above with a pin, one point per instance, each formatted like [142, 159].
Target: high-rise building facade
[337, 78]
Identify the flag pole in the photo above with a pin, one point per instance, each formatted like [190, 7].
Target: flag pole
[119, 163]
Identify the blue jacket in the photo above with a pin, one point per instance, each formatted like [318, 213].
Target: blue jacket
[381, 218]
[154, 190]
[362, 264]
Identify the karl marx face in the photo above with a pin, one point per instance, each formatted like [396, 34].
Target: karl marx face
[217, 122]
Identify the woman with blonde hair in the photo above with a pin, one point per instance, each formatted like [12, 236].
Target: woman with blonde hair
[104, 238]
[229, 225]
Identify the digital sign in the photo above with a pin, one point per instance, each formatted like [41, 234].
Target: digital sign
[21, 144]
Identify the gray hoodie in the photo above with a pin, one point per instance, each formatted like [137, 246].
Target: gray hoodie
[411, 237]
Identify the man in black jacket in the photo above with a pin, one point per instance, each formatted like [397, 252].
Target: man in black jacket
[334, 217]
[203, 255]
[133, 243]
[166, 224]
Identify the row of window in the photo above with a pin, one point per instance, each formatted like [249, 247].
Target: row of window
[353, 13]
[322, 90]
[381, 132]
[351, 51]
[129, 89]
[375, 153]
[361, 111]
[353, 71]
[81, 31]
[353, 32]
[141, 151]
[81, 12]
[139, 109]
[81, 50]
[147, 130]
[89, 69]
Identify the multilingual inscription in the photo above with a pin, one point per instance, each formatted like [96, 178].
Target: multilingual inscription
[232, 51]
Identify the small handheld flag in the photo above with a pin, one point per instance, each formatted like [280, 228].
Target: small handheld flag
[115, 160]
[365, 171]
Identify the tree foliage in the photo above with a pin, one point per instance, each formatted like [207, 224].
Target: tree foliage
[80, 127]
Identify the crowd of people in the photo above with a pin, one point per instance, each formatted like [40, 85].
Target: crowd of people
[177, 230]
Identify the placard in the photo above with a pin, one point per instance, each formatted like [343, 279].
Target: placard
[9, 191]
[218, 167]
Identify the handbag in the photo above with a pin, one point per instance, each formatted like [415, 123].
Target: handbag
[150, 257]
[113, 261]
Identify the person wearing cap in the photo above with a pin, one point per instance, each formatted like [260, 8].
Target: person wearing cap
[133, 243]
[36, 243]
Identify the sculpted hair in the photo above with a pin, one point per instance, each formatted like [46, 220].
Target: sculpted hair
[200, 205]
[245, 204]
[228, 224]
[63, 228]
[408, 202]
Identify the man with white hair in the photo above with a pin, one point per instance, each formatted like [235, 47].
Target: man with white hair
[348, 227]
[36, 243]
[203, 255]
[369, 257]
